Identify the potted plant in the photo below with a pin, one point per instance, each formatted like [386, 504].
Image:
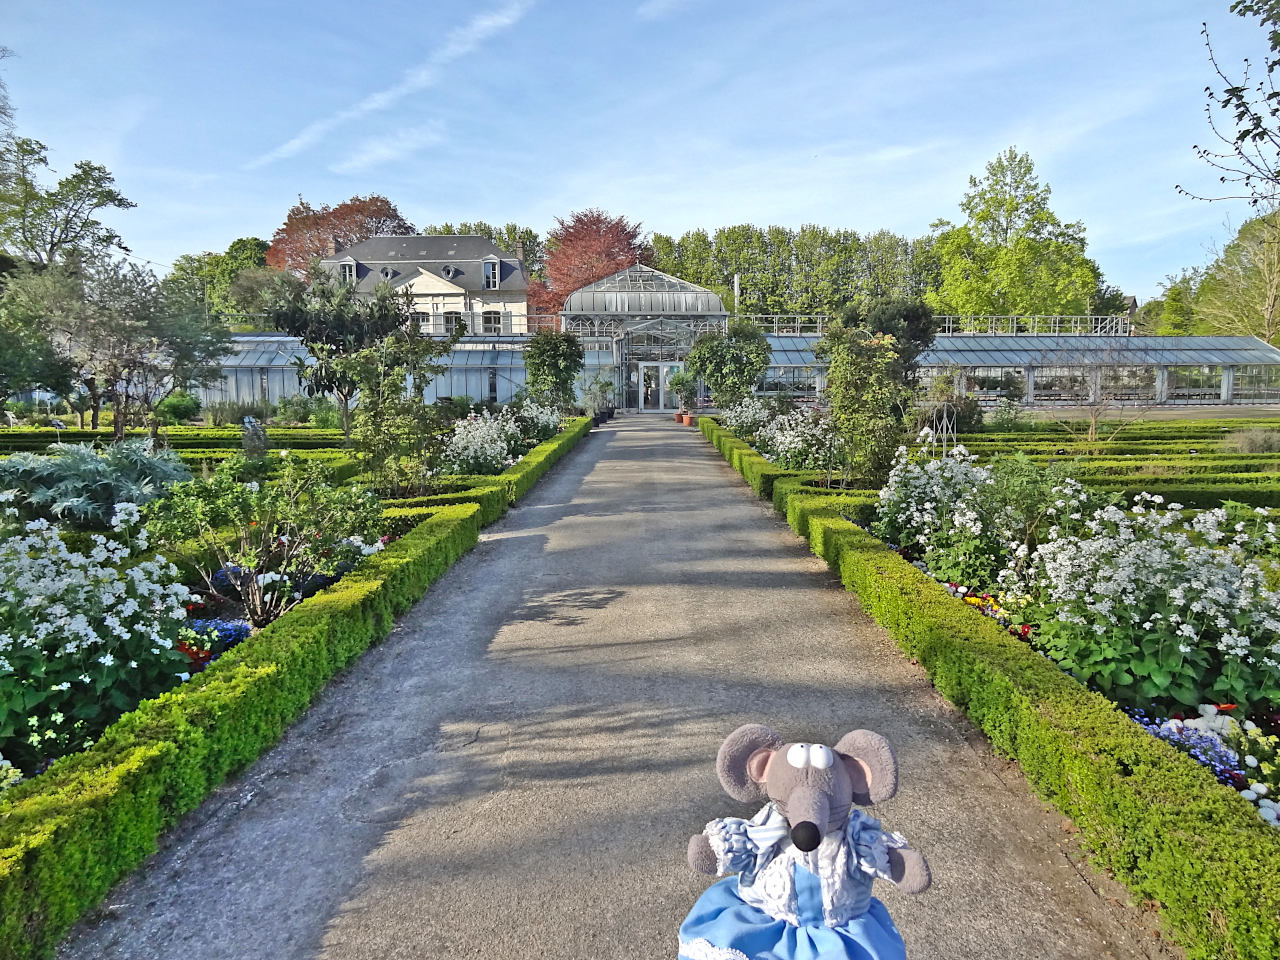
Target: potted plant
[685, 386]
[597, 399]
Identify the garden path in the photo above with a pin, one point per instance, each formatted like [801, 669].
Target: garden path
[515, 772]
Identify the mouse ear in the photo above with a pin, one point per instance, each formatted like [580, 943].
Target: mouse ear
[871, 764]
[742, 758]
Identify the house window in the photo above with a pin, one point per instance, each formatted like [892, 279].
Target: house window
[491, 274]
[491, 322]
[348, 272]
[493, 384]
[453, 322]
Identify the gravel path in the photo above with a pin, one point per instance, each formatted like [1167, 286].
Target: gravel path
[515, 772]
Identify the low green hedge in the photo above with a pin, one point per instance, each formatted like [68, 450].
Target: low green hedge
[492, 500]
[518, 480]
[177, 438]
[1157, 819]
[68, 835]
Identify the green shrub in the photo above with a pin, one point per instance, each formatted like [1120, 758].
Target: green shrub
[76, 484]
[1157, 819]
[177, 407]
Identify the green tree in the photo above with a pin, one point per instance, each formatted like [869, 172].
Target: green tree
[1012, 256]
[50, 224]
[333, 322]
[508, 238]
[1240, 292]
[730, 363]
[868, 399]
[909, 322]
[1176, 318]
[396, 432]
[552, 361]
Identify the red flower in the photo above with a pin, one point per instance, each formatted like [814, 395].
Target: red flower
[1226, 706]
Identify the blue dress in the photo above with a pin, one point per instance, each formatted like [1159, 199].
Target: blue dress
[786, 904]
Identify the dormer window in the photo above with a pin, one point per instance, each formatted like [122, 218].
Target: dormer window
[491, 272]
[347, 271]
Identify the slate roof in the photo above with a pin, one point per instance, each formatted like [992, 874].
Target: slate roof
[400, 258]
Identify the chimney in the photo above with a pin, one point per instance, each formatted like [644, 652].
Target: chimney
[330, 247]
[519, 251]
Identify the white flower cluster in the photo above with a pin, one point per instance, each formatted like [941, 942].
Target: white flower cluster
[923, 499]
[747, 416]
[9, 774]
[71, 624]
[1194, 582]
[543, 420]
[487, 443]
[800, 440]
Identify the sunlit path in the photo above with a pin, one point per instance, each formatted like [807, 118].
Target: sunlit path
[516, 771]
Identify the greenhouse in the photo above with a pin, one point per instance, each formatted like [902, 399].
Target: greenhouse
[1073, 370]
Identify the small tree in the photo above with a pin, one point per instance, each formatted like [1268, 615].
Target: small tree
[731, 363]
[1176, 318]
[868, 400]
[333, 322]
[552, 361]
[396, 432]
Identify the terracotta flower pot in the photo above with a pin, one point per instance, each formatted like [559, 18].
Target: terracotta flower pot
[690, 420]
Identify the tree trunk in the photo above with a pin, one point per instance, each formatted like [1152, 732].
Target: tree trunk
[119, 417]
[95, 402]
[344, 403]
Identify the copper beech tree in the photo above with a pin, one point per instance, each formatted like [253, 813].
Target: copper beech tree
[587, 247]
[307, 231]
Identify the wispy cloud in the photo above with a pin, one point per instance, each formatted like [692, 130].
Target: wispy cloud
[457, 44]
[385, 149]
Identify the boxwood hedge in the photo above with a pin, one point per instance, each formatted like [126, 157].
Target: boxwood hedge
[1157, 819]
[68, 835]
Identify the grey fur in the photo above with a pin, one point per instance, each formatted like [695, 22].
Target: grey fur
[874, 751]
[702, 859]
[731, 761]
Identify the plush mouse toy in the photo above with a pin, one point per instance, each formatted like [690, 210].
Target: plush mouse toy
[806, 861]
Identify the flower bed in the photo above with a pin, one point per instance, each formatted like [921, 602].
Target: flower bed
[68, 835]
[1159, 820]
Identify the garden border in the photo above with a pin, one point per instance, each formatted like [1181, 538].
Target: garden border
[1157, 819]
[68, 836]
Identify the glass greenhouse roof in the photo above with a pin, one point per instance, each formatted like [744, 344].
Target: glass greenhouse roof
[970, 350]
[641, 291]
[792, 351]
[263, 351]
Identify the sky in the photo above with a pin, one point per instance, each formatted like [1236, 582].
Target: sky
[215, 117]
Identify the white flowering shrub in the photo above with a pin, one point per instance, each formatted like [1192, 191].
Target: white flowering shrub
[747, 416]
[967, 522]
[483, 443]
[538, 421]
[801, 440]
[83, 637]
[487, 443]
[1153, 608]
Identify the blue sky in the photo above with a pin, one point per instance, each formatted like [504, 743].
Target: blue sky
[214, 117]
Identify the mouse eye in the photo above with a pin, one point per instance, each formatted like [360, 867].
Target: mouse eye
[821, 757]
[798, 755]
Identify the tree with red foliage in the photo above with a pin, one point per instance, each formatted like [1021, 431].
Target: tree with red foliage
[308, 231]
[587, 247]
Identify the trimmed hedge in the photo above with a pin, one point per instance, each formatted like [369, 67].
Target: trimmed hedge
[67, 836]
[177, 438]
[518, 480]
[1157, 819]
[491, 499]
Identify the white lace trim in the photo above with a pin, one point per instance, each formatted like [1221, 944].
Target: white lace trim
[703, 949]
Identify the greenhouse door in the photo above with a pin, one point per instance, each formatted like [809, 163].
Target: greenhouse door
[655, 394]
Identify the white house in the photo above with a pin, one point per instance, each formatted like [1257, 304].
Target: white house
[457, 280]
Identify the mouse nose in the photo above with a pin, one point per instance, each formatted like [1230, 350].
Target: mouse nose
[806, 836]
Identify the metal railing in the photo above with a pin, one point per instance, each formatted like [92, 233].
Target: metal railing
[786, 324]
[1096, 326]
[477, 323]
